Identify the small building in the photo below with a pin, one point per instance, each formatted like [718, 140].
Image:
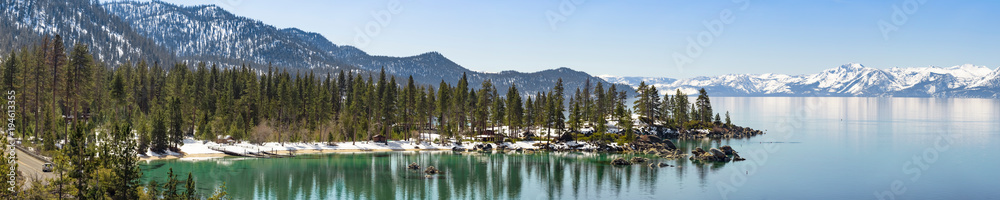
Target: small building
[225, 140]
[380, 138]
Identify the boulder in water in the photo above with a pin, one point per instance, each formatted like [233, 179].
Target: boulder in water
[620, 161]
[639, 159]
[736, 157]
[718, 154]
[432, 170]
[413, 166]
[698, 151]
[661, 164]
[727, 149]
[669, 144]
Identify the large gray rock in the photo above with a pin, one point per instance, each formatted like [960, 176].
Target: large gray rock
[727, 149]
[669, 144]
[718, 154]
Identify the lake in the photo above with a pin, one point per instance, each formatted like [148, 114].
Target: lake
[815, 148]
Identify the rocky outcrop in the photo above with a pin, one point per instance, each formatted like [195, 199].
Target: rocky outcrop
[697, 151]
[620, 161]
[431, 170]
[727, 149]
[413, 166]
[609, 148]
[650, 144]
[661, 164]
[720, 132]
[639, 160]
[716, 155]
[483, 147]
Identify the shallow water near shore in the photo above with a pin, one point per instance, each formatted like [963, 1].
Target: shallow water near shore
[815, 148]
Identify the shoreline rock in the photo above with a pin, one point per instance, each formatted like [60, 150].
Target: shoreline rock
[638, 160]
[620, 161]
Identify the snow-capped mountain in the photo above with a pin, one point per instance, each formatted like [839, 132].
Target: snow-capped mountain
[847, 80]
[24, 22]
[209, 33]
[165, 33]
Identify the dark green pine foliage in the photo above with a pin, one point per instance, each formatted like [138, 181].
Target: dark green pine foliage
[175, 135]
[704, 106]
[10, 72]
[189, 188]
[680, 107]
[514, 109]
[728, 122]
[81, 160]
[170, 188]
[158, 135]
[123, 164]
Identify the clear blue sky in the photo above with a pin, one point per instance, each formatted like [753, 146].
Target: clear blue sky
[640, 38]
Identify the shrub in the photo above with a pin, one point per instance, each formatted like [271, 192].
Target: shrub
[697, 125]
[622, 139]
[261, 133]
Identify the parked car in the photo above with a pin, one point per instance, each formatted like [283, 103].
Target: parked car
[47, 167]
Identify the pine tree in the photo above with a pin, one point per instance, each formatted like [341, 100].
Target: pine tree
[728, 122]
[680, 107]
[641, 103]
[575, 114]
[10, 71]
[718, 121]
[56, 60]
[170, 188]
[175, 136]
[189, 189]
[515, 111]
[653, 111]
[124, 164]
[81, 160]
[558, 119]
[665, 109]
[704, 106]
[78, 79]
[153, 189]
[158, 135]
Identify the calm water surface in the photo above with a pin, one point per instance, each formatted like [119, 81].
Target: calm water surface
[815, 148]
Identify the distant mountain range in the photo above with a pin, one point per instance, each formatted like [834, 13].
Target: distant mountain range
[162, 32]
[848, 80]
[165, 33]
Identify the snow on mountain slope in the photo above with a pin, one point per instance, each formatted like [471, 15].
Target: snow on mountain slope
[847, 80]
[24, 22]
[209, 33]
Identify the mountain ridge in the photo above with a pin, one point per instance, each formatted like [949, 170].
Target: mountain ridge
[214, 32]
[155, 31]
[852, 79]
